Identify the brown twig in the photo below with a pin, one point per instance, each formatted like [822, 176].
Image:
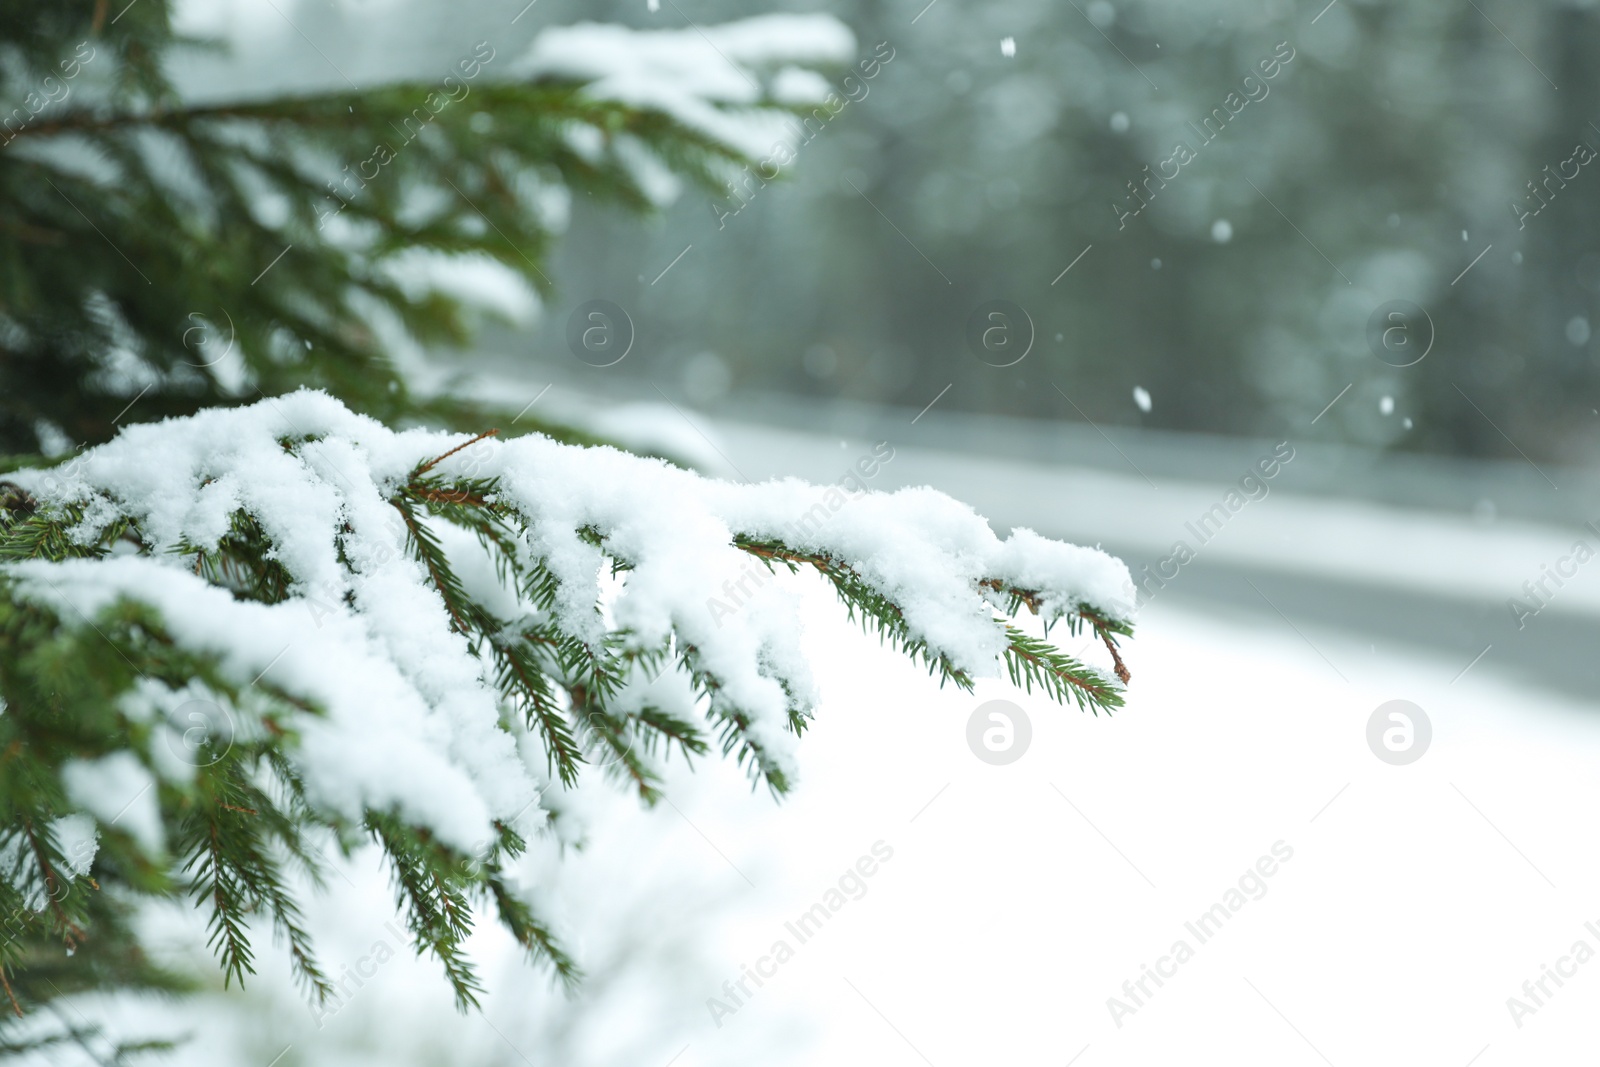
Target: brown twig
[1121, 668]
[1081, 683]
[455, 496]
[50, 879]
[432, 463]
[821, 563]
[1031, 599]
[10, 993]
[1102, 629]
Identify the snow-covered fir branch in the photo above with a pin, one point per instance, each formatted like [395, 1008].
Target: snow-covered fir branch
[428, 640]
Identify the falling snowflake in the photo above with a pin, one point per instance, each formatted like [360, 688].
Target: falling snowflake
[1222, 231]
[1008, 46]
[1141, 397]
[1386, 405]
[653, 5]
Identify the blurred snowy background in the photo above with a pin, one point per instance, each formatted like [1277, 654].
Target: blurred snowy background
[1404, 154]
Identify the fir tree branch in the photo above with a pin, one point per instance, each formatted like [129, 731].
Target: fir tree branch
[1031, 661]
[436, 912]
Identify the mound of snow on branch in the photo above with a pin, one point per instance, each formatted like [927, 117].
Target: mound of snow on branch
[412, 719]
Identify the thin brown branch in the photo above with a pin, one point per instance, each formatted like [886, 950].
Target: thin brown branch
[451, 496]
[10, 993]
[1066, 676]
[822, 563]
[1121, 668]
[432, 463]
[1104, 631]
[1028, 597]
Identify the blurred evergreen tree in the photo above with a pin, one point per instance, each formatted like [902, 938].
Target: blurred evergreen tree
[159, 256]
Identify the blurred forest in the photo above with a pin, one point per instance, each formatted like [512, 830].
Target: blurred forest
[1399, 147]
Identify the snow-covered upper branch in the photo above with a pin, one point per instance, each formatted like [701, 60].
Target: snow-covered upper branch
[709, 80]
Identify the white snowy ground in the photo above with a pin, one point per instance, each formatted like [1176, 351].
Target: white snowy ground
[1020, 898]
